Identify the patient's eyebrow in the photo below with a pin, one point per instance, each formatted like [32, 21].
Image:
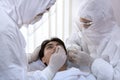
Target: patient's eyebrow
[49, 44]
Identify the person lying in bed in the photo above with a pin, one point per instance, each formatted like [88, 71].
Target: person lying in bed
[49, 47]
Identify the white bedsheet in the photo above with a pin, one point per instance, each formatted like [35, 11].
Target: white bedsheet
[73, 74]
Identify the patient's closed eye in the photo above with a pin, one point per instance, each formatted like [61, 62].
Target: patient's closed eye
[50, 47]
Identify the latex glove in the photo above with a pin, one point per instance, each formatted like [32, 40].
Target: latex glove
[80, 58]
[57, 60]
[34, 56]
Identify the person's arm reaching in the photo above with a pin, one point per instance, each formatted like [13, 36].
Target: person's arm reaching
[57, 60]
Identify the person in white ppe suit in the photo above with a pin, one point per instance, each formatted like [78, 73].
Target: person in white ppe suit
[13, 61]
[95, 46]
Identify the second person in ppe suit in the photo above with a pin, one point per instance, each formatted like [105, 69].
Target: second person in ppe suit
[13, 61]
[95, 46]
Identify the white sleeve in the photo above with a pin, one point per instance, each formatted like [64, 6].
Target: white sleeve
[37, 65]
[36, 75]
[31, 57]
[74, 39]
[104, 71]
[46, 74]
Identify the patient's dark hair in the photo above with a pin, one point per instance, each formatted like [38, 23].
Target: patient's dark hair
[44, 43]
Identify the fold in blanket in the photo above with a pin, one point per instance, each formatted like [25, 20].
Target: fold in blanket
[73, 74]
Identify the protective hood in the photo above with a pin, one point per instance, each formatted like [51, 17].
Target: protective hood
[25, 11]
[101, 15]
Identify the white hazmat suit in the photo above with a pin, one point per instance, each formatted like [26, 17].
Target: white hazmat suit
[13, 61]
[101, 40]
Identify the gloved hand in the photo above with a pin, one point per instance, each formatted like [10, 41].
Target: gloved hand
[80, 58]
[33, 56]
[57, 60]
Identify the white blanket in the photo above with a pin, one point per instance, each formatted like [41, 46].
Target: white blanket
[69, 74]
[73, 74]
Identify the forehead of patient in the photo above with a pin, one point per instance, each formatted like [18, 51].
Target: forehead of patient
[48, 48]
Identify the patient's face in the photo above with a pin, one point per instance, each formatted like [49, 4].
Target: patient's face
[49, 50]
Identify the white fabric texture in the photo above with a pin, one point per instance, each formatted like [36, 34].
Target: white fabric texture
[13, 14]
[73, 74]
[36, 65]
[69, 74]
[25, 11]
[101, 40]
[32, 57]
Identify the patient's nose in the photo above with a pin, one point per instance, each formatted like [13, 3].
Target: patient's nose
[55, 48]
